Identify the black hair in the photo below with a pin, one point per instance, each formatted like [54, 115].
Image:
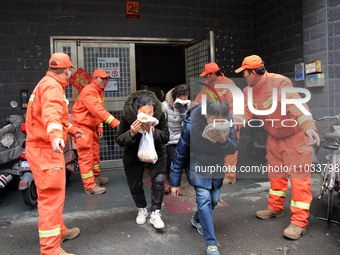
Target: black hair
[214, 107]
[142, 101]
[160, 95]
[180, 90]
[219, 73]
[261, 70]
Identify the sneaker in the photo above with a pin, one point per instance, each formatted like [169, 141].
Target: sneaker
[294, 232]
[101, 180]
[65, 253]
[212, 250]
[197, 225]
[142, 215]
[156, 219]
[96, 190]
[70, 234]
[267, 214]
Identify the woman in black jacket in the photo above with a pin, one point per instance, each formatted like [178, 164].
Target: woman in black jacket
[128, 137]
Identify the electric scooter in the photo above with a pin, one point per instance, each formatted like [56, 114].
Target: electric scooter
[11, 142]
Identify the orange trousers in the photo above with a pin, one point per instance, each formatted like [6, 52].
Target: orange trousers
[230, 162]
[88, 156]
[290, 158]
[48, 169]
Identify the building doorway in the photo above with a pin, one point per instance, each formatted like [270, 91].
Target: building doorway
[147, 63]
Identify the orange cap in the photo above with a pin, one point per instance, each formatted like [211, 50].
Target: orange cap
[60, 60]
[250, 62]
[100, 73]
[211, 67]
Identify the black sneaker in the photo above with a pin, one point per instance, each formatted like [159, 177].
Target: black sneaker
[196, 225]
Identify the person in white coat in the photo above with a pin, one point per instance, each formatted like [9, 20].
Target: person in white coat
[174, 106]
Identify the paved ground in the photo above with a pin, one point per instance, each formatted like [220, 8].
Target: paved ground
[107, 223]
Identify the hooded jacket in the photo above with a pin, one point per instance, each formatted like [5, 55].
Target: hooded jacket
[202, 160]
[173, 117]
[131, 144]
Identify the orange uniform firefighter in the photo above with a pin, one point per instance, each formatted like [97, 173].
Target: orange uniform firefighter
[215, 76]
[88, 113]
[289, 153]
[47, 127]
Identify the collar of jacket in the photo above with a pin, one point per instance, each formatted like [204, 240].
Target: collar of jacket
[92, 84]
[58, 78]
[262, 83]
[168, 99]
[131, 115]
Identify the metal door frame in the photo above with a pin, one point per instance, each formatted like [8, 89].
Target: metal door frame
[75, 41]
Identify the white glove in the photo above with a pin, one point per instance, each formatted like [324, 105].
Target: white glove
[57, 143]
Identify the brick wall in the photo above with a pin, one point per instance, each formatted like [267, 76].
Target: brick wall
[321, 23]
[26, 27]
[278, 34]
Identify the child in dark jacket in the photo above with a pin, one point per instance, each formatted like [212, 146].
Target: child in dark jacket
[129, 137]
[202, 157]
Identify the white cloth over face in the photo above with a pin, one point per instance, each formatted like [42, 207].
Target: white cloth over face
[220, 125]
[181, 105]
[149, 120]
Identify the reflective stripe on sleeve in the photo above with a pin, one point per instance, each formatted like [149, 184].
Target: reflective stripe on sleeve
[32, 97]
[49, 233]
[54, 126]
[110, 119]
[300, 205]
[278, 193]
[304, 118]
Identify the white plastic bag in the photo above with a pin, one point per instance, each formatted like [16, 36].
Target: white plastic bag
[146, 151]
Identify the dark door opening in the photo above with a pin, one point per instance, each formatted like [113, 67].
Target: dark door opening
[159, 67]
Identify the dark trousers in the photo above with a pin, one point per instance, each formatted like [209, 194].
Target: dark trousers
[134, 174]
[171, 152]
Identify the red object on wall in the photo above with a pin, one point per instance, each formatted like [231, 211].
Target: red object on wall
[80, 79]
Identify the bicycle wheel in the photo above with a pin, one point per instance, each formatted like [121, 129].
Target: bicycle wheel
[330, 206]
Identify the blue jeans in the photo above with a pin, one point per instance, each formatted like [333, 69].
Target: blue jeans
[207, 200]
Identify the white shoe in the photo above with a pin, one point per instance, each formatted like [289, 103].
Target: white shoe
[142, 215]
[156, 219]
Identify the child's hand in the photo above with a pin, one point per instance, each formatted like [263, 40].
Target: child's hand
[175, 191]
[217, 135]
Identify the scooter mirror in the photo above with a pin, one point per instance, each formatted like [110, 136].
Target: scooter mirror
[14, 104]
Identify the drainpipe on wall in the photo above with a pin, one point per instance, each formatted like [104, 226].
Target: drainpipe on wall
[212, 46]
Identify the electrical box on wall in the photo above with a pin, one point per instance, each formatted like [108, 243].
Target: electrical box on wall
[315, 80]
[313, 67]
[314, 75]
[24, 98]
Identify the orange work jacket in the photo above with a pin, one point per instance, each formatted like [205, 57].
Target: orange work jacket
[224, 93]
[89, 109]
[262, 99]
[47, 112]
